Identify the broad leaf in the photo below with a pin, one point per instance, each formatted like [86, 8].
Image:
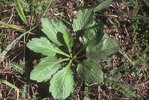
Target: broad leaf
[90, 72]
[52, 27]
[103, 5]
[43, 45]
[60, 27]
[49, 29]
[45, 69]
[61, 85]
[103, 49]
[84, 20]
[91, 37]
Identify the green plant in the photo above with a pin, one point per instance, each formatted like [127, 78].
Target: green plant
[20, 11]
[120, 86]
[66, 50]
[11, 45]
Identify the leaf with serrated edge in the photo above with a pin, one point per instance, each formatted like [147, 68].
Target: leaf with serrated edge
[104, 49]
[84, 20]
[60, 27]
[43, 45]
[52, 27]
[61, 85]
[90, 72]
[50, 30]
[45, 69]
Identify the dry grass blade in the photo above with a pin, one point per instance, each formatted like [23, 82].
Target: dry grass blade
[5, 25]
[12, 86]
[20, 11]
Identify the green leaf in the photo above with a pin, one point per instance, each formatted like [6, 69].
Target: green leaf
[103, 5]
[60, 27]
[20, 11]
[45, 69]
[43, 45]
[103, 49]
[90, 72]
[93, 35]
[61, 85]
[49, 29]
[84, 20]
[52, 27]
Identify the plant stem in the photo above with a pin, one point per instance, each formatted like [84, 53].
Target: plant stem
[65, 54]
[70, 62]
[66, 59]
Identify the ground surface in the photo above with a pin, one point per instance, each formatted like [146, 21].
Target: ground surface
[126, 21]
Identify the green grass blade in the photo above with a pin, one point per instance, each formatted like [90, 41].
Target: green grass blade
[9, 47]
[20, 11]
[103, 5]
[18, 28]
[12, 86]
